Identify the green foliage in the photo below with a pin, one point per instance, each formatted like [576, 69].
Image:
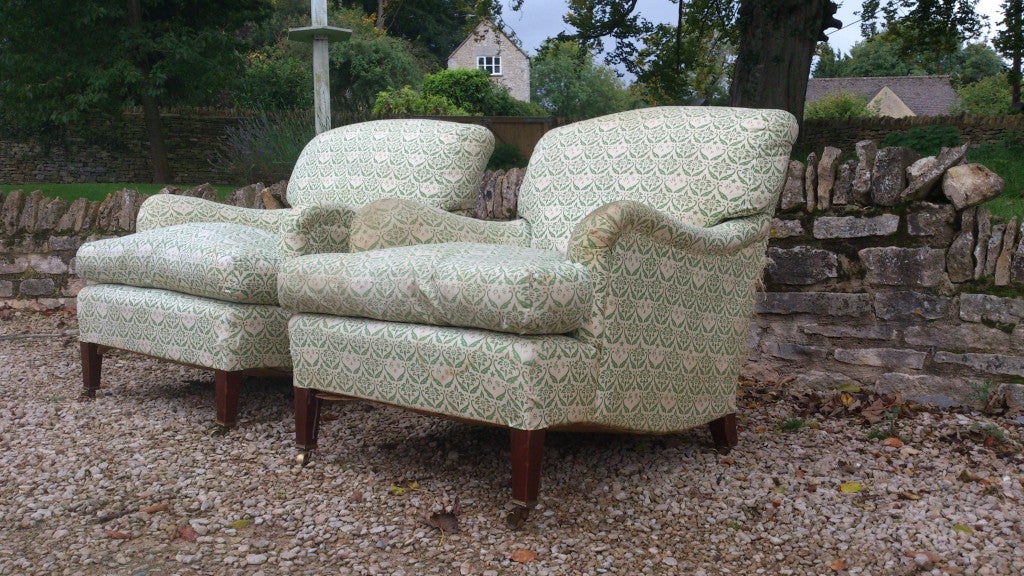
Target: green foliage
[473, 91]
[566, 82]
[264, 147]
[1003, 158]
[881, 55]
[926, 141]
[100, 190]
[923, 32]
[1009, 41]
[408, 102]
[837, 106]
[506, 156]
[275, 80]
[987, 97]
[792, 425]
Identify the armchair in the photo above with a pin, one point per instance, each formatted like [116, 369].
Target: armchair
[619, 300]
[197, 283]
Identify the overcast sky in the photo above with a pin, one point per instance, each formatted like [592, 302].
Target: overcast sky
[541, 19]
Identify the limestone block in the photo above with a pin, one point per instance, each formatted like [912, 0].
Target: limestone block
[811, 182]
[926, 173]
[247, 196]
[994, 309]
[881, 357]
[50, 214]
[801, 265]
[995, 245]
[983, 232]
[11, 210]
[799, 352]
[47, 264]
[818, 303]
[867, 332]
[893, 266]
[854, 227]
[970, 184]
[867, 150]
[932, 221]
[842, 193]
[889, 177]
[16, 266]
[204, 191]
[827, 168]
[36, 287]
[1003, 260]
[958, 338]
[58, 243]
[6, 288]
[27, 220]
[793, 195]
[74, 286]
[938, 391]
[988, 363]
[1017, 266]
[786, 228]
[907, 305]
[72, 218]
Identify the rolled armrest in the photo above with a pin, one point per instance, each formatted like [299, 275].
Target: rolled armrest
[162, 210]
[602, 228]
[395, 222]
[315, 229]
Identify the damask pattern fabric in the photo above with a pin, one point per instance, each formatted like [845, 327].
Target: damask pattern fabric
[700, 165]
[500, 288]
[394, 222]
[162, 210]
[227, 262]
[525, 382]
[183, 328]
[668, 211]
[438, 163]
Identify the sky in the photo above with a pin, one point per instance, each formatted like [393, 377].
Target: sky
[540, 19]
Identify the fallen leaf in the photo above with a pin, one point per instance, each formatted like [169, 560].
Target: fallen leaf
[118, 535]
[240, 523]
[963, 529]
[399, 490]
[966, 476]
[905, 495]
[522, 555]
[851, 487]
[443, 521]
[328, 416]
[847, 399]
[187, 534]
[893, 442]
[849, 387]
[838, 564]
[356, 497]
[161, 507]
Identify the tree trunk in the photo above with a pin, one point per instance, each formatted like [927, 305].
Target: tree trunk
[1015, 74]
[777, 40]
[380, 15]
[150, 107]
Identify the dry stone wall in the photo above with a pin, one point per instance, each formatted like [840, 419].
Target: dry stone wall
[874, 276]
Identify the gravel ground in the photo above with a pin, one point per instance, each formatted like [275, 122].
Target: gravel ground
[135, 482]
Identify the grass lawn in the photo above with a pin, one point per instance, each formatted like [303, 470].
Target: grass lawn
[1007, 160]
[99, 190]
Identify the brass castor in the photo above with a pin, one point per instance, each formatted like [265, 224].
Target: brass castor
[218, 429]
[517, 517]
[303, 458]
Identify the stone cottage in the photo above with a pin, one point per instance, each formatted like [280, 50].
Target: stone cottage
[892, 96]
[490, 50]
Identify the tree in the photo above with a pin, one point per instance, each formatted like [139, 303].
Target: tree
[473, 91]
[61, 62]
[987, 97]
[924, 31]
[1009, 41]
[565, 81]
[775, 46]
[880, 56]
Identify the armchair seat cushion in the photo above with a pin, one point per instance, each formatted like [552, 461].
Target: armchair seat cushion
[501, 288]
[228, 262]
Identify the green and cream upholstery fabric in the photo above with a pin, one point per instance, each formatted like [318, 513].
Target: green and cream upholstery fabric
[526, 382]
[227, 262]
[184, 328]
[434, 162]
[701, 165]
[394, 222]
[500, 288]
[667, 210]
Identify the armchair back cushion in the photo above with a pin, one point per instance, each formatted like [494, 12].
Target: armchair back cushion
[698, 164]
[361, 163]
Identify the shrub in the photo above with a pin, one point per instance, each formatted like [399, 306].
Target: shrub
[987, 97]
[473, 91]
[263, 147]
[506, 156]
[926, 141]
[407, 102]
[837, 105]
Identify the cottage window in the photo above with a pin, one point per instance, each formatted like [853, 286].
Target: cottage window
[489, 64]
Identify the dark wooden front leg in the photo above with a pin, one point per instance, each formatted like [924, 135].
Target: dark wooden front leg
[307, 418]
[228, 384]
[91, 362]
[723, 431]
[527, 454]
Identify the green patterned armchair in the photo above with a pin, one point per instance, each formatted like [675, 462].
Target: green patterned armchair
[619, 300]
[197, 282]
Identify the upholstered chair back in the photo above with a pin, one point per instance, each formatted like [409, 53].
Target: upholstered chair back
[429, 161]
[700, 165]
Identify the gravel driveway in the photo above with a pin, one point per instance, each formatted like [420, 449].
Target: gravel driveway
[135, 483]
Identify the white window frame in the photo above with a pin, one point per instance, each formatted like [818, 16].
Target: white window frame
[489, 64]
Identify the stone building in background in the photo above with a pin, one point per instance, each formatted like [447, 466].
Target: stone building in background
[892, 96]
[490, 50]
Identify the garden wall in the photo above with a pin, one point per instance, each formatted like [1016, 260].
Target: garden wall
[872, 278]
[844, 134]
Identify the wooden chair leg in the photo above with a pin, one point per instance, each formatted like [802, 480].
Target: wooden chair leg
[228, 384]
[307, 418]
[723, 431]
[91, 363]
[527, 454]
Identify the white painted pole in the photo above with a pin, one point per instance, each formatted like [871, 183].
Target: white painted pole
[321, 69]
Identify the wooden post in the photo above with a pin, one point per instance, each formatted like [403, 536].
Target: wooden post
[320, 34]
